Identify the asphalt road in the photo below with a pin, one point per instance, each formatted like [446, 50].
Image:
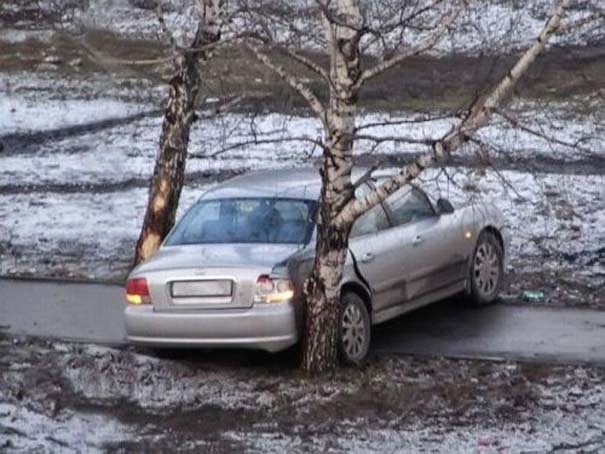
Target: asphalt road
[93, 312]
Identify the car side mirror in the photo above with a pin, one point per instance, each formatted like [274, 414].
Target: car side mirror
[444, 206]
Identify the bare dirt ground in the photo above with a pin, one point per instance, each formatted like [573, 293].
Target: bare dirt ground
[74, 398]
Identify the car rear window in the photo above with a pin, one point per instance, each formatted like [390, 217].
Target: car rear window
[245, 220]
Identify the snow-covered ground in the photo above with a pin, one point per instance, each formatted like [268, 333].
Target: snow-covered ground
[22, 115]
[77, 199]
[57, 397]
[485, 25]
[561, 214]
[125, 151]
[24, 430]
[77, 150]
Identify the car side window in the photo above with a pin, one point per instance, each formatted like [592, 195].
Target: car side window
[371, 221]
[409, 204]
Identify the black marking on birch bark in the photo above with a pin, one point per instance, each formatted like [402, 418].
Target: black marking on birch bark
[168, 175]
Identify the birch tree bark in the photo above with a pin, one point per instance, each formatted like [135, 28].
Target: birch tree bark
[343, 27]
[169, 170]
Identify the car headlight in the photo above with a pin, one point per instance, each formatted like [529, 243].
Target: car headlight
[273, 289]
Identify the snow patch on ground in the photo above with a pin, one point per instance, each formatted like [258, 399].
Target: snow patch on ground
[14, 36]
[242, 142]
[24, 430]
[219, 401]
[159, 384]
[20, 115]
[561, 216]
[523, 438]
[70, 230]
[151, 385]
[59, 89]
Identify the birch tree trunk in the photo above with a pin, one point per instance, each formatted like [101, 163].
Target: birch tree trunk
[322, 290]
[169, 171]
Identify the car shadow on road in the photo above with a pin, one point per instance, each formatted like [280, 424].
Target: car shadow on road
[450, 318]
[229, 357]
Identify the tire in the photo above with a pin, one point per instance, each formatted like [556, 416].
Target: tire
[486, 270]
[354, 329]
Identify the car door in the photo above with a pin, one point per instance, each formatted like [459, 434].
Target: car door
[422, 242]
[370, 252]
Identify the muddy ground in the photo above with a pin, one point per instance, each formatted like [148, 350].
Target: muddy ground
[57, 397]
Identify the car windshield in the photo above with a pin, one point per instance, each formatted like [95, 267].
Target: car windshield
[245, 220]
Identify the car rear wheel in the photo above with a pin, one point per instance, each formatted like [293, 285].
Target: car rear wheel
[486, 270]
[354, 329]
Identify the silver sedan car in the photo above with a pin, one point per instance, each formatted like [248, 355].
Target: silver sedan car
[231, 271]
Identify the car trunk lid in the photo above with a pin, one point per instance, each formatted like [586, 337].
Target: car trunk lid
[202, 277]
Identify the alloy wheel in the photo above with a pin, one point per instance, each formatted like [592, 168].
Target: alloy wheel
[486, 268]
[354, 335]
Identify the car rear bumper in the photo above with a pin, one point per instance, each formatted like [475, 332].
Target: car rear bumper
[270, 327]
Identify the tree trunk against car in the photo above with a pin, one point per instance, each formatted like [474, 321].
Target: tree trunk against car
[322, 288]
[169, 171]
[338, 206]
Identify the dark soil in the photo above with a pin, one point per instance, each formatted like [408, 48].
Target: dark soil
[263, 395]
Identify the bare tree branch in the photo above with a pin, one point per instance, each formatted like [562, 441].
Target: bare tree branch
[570, 26]
[166, 31]
[394, 139]
[307, 62]
[294, 82]
[256, 141]
[427, 44]
[397, 21]
[421, 119]
[223, 107]
[517, 124]
[478, 118]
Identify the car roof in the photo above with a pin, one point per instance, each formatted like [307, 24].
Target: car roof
[301, 183]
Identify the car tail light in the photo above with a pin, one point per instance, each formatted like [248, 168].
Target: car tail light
[137, 291]
[273, 290]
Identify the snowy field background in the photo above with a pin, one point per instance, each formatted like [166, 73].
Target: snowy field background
[490, 25]
[71, 203]
[77, 145]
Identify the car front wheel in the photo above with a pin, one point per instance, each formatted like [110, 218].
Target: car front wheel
[487, 269]
[354, 329]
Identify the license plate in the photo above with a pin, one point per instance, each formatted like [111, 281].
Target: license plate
[203, 289]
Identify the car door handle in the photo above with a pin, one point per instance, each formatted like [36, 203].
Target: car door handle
[367, 257]
[418, 240]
